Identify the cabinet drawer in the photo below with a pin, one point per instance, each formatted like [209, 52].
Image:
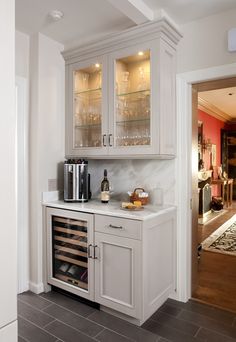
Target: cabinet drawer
[118, 226]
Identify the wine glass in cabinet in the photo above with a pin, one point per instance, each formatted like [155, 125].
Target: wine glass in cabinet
[87, 108]
[132, 100]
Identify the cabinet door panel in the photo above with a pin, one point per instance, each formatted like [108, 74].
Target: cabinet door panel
[117, 274]
[87, 108]
[131, 109]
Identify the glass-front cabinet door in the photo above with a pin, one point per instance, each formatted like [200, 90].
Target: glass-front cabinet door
[88, 109]
[132, 100]
[69, 251]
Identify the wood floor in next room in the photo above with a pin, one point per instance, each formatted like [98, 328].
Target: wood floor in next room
[54, 317]
[217, 272]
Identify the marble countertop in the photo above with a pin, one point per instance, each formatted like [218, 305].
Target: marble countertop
[113, 208]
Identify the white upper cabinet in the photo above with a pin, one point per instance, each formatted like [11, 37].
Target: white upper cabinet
[120, 95]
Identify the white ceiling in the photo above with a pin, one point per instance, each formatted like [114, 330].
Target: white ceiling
[88, 20]
[221, 99]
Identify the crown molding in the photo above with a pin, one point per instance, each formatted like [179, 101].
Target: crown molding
[213, 111]
[163, 28]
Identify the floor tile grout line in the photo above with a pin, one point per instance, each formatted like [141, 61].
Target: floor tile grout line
[219, 333]
[34, 295]
[75, 313]
[70, 326]
[117, 333]
[41, 310]
[34, 306]
[195, 335]
[49, 323]
[174, 328]
[39, 327]
[24, 338]
[99, 333]
[211, 309]
[177, 329]
[204, 316]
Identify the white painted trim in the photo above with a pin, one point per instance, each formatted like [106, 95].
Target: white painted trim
[136, 10]
[22, 183]
[184, 168]
[36, 288]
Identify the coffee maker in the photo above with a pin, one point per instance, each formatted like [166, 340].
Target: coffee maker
[76, 181]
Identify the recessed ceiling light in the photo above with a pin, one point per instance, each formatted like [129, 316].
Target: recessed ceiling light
[140, 53]
[230, 94]
[97, 65]
[56, 15]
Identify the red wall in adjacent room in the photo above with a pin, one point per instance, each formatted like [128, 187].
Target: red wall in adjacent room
[211, 130]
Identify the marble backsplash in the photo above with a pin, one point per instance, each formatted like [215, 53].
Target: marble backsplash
[155, 176]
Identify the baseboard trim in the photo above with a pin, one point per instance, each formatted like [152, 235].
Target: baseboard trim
[36, 288]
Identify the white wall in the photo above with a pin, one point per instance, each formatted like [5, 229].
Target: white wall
[22, 54]
[204, 42]
[46, 137]
[8, 168]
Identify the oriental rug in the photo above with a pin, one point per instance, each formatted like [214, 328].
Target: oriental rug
[223, 240]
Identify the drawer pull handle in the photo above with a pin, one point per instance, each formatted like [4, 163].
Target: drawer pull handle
[115, 227]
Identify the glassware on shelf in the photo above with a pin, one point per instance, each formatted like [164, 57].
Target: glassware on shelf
[124, 83]
[143, 79]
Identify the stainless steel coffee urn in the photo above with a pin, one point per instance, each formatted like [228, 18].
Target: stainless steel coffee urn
[76, 181]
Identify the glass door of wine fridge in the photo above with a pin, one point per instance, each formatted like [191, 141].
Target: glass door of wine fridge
[70, 265]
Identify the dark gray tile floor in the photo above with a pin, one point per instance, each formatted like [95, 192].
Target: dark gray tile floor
[53, 317]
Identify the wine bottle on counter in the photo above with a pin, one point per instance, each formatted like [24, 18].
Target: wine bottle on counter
[105, 196]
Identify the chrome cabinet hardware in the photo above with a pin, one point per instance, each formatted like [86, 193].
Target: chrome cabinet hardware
[94, 252]
[89, 251]
[115, 227]
[109, 140]
[103, 140]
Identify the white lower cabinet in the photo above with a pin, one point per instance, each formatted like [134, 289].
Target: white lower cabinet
[117, 273]
[126, 265]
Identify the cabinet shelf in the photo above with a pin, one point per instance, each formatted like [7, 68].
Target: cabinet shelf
[134, 92]
[88, 91]
[88, 126]
[130, 121]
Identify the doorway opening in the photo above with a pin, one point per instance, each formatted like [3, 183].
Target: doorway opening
[214, 177]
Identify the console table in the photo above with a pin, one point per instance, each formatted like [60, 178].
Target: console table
[226, 186]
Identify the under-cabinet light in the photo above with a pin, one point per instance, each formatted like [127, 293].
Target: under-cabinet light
[140, 53]
[97, 65]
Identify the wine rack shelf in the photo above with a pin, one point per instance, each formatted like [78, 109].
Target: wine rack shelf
[72, 281]
[72, 261]
[70, 251]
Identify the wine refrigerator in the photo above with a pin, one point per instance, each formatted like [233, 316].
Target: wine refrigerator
[70, 265]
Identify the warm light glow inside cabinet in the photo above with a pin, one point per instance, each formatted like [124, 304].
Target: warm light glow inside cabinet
[120, 95]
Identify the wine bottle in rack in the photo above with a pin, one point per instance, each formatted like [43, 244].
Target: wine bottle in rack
[105, 195]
